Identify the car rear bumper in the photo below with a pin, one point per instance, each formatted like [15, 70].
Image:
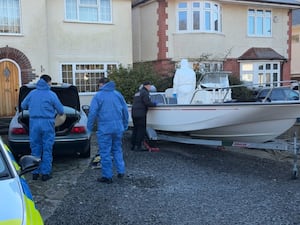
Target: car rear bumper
[21, 147]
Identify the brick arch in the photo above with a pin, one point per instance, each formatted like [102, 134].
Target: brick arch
[21, 59]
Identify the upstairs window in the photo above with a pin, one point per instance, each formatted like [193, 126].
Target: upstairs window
[94, 11]
[10, 17]
[198, 16]
[259, 23]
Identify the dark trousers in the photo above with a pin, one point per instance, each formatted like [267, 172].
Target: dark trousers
[139, 131]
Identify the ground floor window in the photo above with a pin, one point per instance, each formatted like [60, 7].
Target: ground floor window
[261, 74]
[85, 76]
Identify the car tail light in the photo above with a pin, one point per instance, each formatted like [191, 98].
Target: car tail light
[18, 131]
[78, 130]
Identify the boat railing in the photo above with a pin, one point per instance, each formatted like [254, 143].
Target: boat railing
[210, 95]
[223, 94]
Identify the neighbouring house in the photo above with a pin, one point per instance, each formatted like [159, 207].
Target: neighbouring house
[295, 65]
[74, 41]
[252, 39]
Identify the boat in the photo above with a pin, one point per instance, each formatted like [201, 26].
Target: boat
[213, 114]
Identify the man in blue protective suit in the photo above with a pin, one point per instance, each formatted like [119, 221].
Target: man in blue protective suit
[110, 110]
[42, 104]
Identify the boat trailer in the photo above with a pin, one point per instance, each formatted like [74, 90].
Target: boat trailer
[277, 145]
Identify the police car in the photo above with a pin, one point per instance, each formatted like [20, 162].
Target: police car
[16, 203]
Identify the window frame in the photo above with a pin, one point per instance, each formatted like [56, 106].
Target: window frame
[262, 73]
[188, 11]
[259, 19]
[78, 69]
[80, 6]
[18, 25]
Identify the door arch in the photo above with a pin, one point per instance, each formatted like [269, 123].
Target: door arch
[9, 87]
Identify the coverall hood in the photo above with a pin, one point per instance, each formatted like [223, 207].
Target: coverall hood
[184, 64]
[110, 86]
[42, 85]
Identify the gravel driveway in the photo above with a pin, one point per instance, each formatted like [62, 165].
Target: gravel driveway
[184, 185]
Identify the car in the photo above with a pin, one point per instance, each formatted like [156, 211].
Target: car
[71, 136]
[277, 94]
[17, 205]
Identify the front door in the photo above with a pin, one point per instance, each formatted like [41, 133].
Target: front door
[9, 88]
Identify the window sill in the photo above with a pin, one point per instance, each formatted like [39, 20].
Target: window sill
[86, 22]
[11, 34]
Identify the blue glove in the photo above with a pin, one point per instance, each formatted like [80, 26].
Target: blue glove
[175, 95]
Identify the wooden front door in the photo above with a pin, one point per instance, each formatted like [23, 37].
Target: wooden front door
[9, 88]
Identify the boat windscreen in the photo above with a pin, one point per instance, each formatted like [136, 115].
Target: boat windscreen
[215, 80]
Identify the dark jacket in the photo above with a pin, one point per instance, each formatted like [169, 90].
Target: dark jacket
[141, 102]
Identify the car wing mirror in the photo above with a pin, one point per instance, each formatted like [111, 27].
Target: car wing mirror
[28, 163]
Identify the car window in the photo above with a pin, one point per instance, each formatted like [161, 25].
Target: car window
[263, 93]
[291, 94]
[277, 94]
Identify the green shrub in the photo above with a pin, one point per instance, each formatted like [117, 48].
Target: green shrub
[240, 93]
[128, 80]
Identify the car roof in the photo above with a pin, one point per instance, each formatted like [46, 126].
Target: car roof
[67, 93]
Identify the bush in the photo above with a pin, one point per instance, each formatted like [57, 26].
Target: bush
[128, 80]
[240, 93]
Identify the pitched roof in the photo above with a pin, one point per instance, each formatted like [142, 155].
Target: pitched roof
[261, 54]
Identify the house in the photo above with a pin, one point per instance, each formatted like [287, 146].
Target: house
[73, 41]
[252, 39]
[295, 65]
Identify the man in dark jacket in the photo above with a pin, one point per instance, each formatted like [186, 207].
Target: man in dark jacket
[141, 102]
[43, 104]
[109, 109]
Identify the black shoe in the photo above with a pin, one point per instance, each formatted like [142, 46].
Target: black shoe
[46, 177]
[105, 180]
[121, 175]
[132, 147]
[35, 176]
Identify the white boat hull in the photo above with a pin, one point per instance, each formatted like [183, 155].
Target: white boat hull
[245, 122]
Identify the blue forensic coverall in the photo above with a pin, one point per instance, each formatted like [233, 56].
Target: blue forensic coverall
[43, 104]
[110, 110]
